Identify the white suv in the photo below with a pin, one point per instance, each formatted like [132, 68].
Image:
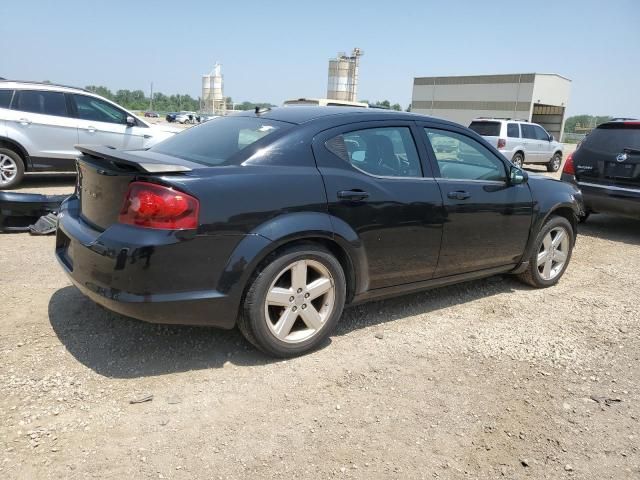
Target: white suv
[520, 141]
[40, 123]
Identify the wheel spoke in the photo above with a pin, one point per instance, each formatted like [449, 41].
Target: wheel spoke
[546, 272]
[558, 238]
[559, 256]
[542, 257]
[299, 275]
[285, 323]
[318, 287]
[311, 317]
[279, 296]
[547, 242]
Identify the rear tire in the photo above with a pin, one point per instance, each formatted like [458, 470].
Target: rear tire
[518, 160]
[288, 313]
[551, 253]
[11, 168]
[554, 164]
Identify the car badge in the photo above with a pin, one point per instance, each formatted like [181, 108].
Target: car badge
[622, 157]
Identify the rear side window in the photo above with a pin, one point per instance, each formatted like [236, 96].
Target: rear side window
[486, 129]
[41, 101]
[528, 131]
[613, 139]
[5, 98]
[383, 152]
[218, 140]
[513, 131]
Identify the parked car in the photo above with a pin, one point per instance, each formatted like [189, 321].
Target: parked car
[171, 117]
[151, 114]
[606, 167]
[185, 117]
[41, 122]
[277, 219]
[521, 142]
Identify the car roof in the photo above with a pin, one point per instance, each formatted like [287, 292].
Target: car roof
[303, 114]
[20, 84]
[515, 120]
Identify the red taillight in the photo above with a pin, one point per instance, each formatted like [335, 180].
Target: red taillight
[568, 165]
[154, 206]
[501, 143]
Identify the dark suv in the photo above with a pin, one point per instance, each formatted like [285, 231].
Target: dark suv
[606, 167]
[274, 220]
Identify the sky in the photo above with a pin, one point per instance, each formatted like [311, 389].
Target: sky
[276, 50]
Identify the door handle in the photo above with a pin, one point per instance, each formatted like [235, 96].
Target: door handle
[459, 195]
[353, 195]
[91, 129]
[24, 121]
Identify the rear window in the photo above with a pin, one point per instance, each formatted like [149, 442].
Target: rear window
[613, 139]
[218, 140]
[486, 129]
[5, 98]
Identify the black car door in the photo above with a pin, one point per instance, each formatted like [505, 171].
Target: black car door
[379, 184]
[487, 219]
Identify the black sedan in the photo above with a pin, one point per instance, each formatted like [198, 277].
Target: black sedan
[606, 167]
[274, 220]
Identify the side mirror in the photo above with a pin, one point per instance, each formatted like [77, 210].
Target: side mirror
[131, 122]
[517, 176]
[551, 138]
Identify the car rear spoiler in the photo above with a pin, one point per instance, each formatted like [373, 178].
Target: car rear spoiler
[128, 159]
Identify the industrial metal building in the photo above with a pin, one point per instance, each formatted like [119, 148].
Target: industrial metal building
[536, 97]
[342, 81]
[212, 92]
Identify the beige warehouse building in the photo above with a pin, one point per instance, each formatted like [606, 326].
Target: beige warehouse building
[537, 97]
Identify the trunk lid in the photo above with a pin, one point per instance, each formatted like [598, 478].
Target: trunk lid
[610, 155]
[104, 175]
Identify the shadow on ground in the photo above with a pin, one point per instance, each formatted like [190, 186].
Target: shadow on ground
[609, 227]
[120, 347]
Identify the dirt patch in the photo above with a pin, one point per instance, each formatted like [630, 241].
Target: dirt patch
[488, 379]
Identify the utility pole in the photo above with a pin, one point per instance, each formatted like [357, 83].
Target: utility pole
[151, 99]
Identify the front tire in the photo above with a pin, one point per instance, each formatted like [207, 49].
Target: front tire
[551, 254]
[11, 168]
[554, 163]
[294, 302]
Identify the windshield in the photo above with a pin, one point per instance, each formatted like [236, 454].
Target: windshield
[486, 129]
[218, 140]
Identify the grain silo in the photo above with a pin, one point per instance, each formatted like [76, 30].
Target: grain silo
[343, 76]
[212, 93]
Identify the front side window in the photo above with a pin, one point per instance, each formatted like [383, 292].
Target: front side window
[382, 152]
[462, 158]
[94, 109]
[528, 131]
[41, 101]
[5, 98]
[513, 131]
[541, 133]
[217, 141]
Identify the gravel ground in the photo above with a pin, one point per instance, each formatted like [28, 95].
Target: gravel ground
[488, 379]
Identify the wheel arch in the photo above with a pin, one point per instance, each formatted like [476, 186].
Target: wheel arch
[19, 149]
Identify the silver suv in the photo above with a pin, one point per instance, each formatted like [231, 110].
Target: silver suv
[40, 123]
[520, 141]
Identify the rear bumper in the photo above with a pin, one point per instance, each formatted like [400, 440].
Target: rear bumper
[152, 275]
[615, 199]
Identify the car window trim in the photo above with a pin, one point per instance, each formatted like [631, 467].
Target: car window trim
[434, 160]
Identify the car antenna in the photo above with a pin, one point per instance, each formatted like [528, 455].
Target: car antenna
[261, 109]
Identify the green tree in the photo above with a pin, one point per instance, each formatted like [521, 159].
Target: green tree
[397, 107]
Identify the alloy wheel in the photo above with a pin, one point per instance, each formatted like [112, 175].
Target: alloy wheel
[8, 169]
[553, 253]
[299, 301]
